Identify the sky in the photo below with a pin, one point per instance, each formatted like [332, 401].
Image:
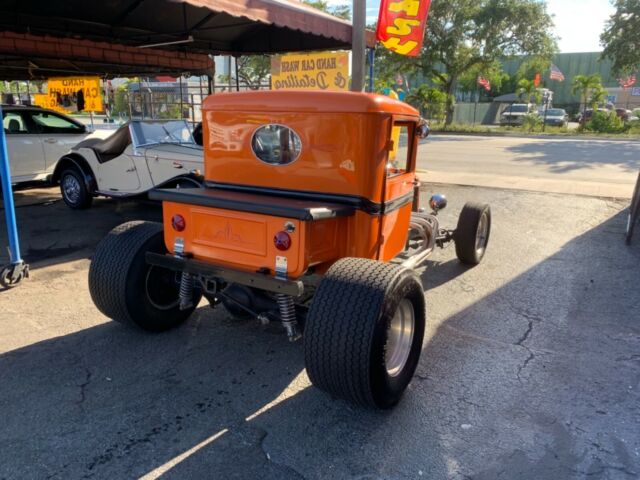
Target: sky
[579, 23]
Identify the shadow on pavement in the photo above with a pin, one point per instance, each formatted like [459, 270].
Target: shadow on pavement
[568, 155]
[51, 233]
[538, 379]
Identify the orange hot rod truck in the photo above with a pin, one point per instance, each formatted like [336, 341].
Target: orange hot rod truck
[310, 217]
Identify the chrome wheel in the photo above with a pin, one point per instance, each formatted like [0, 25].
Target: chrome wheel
[400, 338]
[482, 234]
[71, 188]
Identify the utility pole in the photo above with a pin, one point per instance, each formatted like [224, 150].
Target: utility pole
[358, 45]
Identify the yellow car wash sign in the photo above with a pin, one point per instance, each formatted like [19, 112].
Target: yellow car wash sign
[315, 71]
[45, 101]
[73, 94]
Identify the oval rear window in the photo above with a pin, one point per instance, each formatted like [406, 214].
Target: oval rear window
[276, 144]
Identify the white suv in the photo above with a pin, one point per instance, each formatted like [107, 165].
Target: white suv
[38, 138]
[514, 114]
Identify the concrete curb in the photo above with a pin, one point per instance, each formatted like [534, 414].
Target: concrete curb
[538, 136]
[536, 185]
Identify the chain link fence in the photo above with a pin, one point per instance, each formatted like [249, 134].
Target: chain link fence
[182, 99]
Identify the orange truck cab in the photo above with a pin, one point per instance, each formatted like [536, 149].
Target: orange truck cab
[313, 166]
[310, 215]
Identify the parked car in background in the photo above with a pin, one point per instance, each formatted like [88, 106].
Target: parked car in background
[586, 115]
[139, 156]
[556, 117]
[624, 114]
[37, 138]
[514, 114]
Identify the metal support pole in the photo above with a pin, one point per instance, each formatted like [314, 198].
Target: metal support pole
[181, 101]
[475, 108]
[358, 45]
[141, 100]
[237, 78]
[546, 107]
[17, 270]
[372, 61]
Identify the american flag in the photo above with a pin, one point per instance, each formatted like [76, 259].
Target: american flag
[556, 74]
[483, 82]
[627, 82]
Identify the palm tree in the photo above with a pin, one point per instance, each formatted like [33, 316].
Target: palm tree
[585, 85]
[527, 90]
[598, 96]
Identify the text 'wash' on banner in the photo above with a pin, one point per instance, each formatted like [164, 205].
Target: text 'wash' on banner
[401, 25]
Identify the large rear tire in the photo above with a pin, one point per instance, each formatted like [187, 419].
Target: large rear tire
[363, 334]
[472, 233]
[127, 289]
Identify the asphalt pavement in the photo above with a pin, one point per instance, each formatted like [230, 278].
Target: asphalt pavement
[530, 367]
[602, 168]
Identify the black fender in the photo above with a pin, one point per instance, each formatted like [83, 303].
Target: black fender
[78, 162]
[196, 180]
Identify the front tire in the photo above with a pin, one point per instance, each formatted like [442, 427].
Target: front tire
[363, 334]
[74, 190]
[128, 290]
[472, 233]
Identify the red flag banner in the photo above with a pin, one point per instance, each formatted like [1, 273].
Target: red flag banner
[627, 82]
[536, 80]
[484, 83]
[401, 25]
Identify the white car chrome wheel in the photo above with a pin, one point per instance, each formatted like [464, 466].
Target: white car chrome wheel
[71, 188]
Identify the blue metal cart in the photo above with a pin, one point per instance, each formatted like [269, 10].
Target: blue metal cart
[16, 271]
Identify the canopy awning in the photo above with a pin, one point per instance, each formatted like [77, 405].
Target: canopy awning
[198, 26]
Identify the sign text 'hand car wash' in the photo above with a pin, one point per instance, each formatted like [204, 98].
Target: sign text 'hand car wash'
[316, 71]
[72, 94]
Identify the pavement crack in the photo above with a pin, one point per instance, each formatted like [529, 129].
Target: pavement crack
[631, 358]
[526, 334]
[267, 456]
[83, 386]
[525, 363]
[599, 472]
[469, 402]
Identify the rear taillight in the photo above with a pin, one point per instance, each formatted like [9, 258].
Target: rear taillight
[282, 241]
[178, 223]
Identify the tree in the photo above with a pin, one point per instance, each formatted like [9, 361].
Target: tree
[598, 97]
[340, 11]
[430, 101]
[463, 35]
[621, 37]
[585, 85]
[494, 73]
[528, 91]
[254, 70]
[532, 66]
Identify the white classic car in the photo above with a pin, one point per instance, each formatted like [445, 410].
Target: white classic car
[37, 138]
[138, 157]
